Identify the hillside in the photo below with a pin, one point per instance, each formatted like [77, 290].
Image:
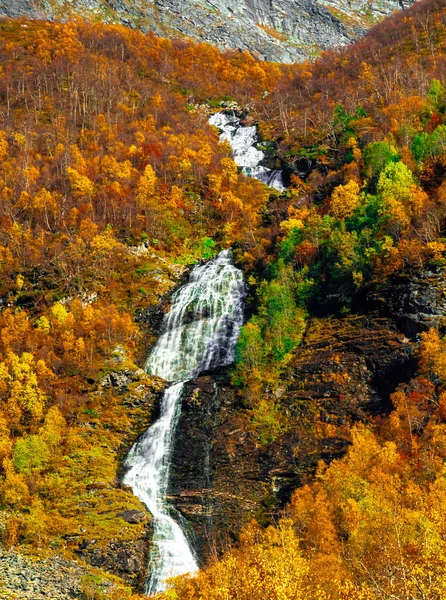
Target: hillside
[329, 429]
[283, 31]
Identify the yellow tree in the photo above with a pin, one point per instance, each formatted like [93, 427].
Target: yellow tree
[344, 200]
[80, 184]
[20, 392]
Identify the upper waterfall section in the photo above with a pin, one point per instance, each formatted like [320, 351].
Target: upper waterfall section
[243, 141]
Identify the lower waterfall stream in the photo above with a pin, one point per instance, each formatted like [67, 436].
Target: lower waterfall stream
[198, 334]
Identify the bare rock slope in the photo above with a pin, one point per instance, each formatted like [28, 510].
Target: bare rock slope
[277, 30]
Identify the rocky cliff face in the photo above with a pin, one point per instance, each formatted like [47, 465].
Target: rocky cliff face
[344, 372]
[278, 30]
[415, 302]
[221, 477]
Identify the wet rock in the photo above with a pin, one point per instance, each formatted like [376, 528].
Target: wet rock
[215, 482]
[150, 319]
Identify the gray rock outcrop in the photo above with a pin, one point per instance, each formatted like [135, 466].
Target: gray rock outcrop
[19, 8]
[275, 30]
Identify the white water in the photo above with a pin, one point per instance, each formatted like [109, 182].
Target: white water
[242, 141]
[199, 333]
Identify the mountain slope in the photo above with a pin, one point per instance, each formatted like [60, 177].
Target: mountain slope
[278, 30]
[110, 180]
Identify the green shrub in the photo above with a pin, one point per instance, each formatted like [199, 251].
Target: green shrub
[30, 454]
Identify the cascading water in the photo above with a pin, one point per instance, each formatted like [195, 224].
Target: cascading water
[198, 334]
[243, 143]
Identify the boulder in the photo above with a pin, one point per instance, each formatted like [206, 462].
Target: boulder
[133, 516]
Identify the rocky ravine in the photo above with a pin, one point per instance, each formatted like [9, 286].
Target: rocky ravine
[277, 30]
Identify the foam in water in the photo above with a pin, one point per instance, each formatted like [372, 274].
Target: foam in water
[242, 141]
[199, 333]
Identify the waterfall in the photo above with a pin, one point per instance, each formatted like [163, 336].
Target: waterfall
[243, 142]
[199, 333]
